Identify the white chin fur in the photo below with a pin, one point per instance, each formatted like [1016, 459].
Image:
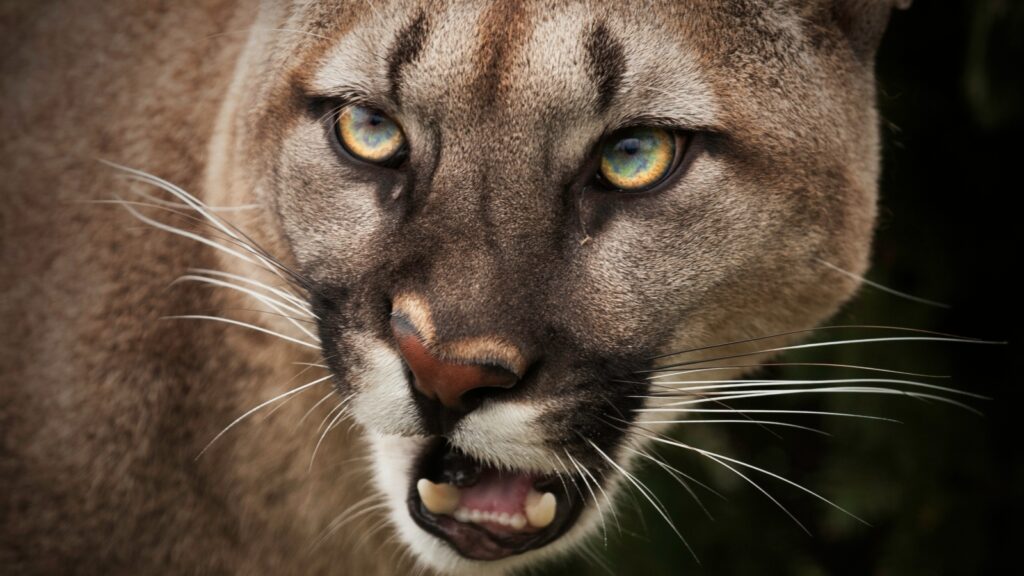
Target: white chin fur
[392, 460]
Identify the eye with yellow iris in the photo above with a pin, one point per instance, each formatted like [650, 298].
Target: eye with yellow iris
[638, 158]
[370, 135]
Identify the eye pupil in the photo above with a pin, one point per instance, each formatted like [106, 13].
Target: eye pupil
[630, 146]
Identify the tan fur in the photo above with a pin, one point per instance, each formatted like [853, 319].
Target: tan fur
[105, 405]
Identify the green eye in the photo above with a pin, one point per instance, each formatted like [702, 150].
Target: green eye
[637, 158]
[369, 134]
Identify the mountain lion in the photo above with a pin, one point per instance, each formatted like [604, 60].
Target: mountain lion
[364, 287]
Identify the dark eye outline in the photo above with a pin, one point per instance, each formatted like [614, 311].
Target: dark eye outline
[683, 141]
[395, 161]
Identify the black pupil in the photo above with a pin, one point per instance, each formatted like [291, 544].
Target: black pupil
[375, 120]
[629, 146]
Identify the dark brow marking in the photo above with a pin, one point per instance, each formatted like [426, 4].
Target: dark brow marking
[606, 62]
[406, 48]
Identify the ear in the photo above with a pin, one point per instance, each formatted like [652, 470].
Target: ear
[863, 22]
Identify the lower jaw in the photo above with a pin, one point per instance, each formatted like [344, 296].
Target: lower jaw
[474, 541]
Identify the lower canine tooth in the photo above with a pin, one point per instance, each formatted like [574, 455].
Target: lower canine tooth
[438, 498]
[540, 508]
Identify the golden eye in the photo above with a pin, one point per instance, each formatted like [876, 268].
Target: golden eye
[369, 134]
[637, 158]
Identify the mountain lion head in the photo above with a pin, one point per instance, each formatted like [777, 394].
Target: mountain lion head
[503, 215]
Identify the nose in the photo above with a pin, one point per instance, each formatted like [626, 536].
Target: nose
[446, 376]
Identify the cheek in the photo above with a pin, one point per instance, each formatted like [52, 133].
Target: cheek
[635, 279]
[329, 211]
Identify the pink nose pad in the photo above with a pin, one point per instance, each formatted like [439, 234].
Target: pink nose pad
[443, 380]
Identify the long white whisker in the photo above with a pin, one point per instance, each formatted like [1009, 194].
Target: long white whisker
[759, 411]
[290, 380]
[593, 495]
[276, 305]
[830, 343]
[244, 325]
[186, 234]
[345, 518]
[260, 406]
[806, 331]
[342, 413]
[878, 286]
[293, 299]
[661, 438]
[314, 407]
[726, 384]
[686, 372]
[678, 476]
[197, 205]
[651, 498]
[733, 395]
[607, 499]
[760, 422]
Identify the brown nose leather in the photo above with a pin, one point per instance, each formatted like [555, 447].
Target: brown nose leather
[446, 381]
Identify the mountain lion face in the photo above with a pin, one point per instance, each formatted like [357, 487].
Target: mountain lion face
[507, 213]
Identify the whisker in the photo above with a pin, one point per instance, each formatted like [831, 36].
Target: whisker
[276, 305]
[723, 384]
[665, 440]
[298, 303]
[260, 406]
[348, 516]
[244, 325]
[829, 390]
[197, 205]
[824, 345]
[607, 499]
[764, 411]
[688, 371]
[679, 476]
[878, 286]
[593, 495]
[650, 497]
[289, 399]
[341, 415]
[762, 422]
[314, 407]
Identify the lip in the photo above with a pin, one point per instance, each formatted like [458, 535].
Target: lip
[477, 542]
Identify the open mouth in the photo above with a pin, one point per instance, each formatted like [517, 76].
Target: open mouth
[486, 513]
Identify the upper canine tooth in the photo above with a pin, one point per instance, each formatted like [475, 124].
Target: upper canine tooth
[540, 508]
[438, 498]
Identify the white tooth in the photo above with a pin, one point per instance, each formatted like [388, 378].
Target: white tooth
[462, 515]
[438, 498]
[540, 508]
[503, 518]
[518, 521]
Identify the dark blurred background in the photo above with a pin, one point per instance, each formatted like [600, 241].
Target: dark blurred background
[942, 490]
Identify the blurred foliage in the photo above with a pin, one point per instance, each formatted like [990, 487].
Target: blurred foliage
[942, 489]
